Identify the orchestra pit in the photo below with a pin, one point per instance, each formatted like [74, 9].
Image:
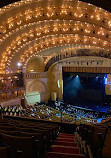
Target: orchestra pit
[55, 79]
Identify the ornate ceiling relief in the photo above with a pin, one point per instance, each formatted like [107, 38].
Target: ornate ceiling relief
[29, 27]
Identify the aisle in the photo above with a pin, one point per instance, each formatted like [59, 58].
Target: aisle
[65, 146]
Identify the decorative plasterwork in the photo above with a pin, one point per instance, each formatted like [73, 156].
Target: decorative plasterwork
[50, 24]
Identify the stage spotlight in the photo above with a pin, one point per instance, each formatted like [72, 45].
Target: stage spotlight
[77, 76]
[96, 78]
[105, 80]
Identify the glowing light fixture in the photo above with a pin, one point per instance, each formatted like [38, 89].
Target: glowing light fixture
[58, 82]
[19, 64]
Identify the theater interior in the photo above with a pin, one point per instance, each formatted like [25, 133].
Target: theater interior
[55, 79]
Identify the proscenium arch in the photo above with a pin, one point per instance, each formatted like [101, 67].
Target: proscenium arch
[80, 53]
[93, 61]
[63, 39]
[62, 50]
[33, 11]
[87, 51]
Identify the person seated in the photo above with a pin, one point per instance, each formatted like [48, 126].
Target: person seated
[1, 112]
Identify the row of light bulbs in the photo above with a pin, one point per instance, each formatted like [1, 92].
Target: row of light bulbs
[65, 4]
[27, 56]
[25, 36]
[19, 42]
[68, 38]
[81, 10]
[57, 40]
[78, 12]
[69, 49]
[78, 3]
[100, 30]
[74, 49]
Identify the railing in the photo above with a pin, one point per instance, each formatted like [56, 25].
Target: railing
[81, 52]
[35, 75]
[11, 90]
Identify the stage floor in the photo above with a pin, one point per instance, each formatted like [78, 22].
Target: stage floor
[94, 107]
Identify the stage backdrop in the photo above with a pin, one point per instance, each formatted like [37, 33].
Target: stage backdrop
[84, 88]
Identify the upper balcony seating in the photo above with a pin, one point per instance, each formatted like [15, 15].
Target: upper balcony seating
[106, 150]
[19, 145]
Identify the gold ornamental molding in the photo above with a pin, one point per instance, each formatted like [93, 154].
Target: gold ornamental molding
[87, 69]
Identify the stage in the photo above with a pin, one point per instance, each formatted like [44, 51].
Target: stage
[86, 90]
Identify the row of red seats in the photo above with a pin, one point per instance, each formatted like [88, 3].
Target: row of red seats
[95, 139]
[25, 139]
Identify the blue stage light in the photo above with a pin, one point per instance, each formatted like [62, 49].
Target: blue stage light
[105, 79]
[96, 78]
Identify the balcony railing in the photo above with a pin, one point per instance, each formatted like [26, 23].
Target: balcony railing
[11, 89]
[35, 75]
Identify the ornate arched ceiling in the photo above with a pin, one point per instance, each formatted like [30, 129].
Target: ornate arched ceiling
[29, 27]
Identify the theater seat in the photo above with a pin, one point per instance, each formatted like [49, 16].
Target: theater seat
[19, 146]
[4, 152]
[13, 133]
[38, 137]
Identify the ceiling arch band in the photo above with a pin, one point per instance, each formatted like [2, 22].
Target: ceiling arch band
[50, 24]
[59, 25]
[57, 40]
[66, 28]
[25, 11]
